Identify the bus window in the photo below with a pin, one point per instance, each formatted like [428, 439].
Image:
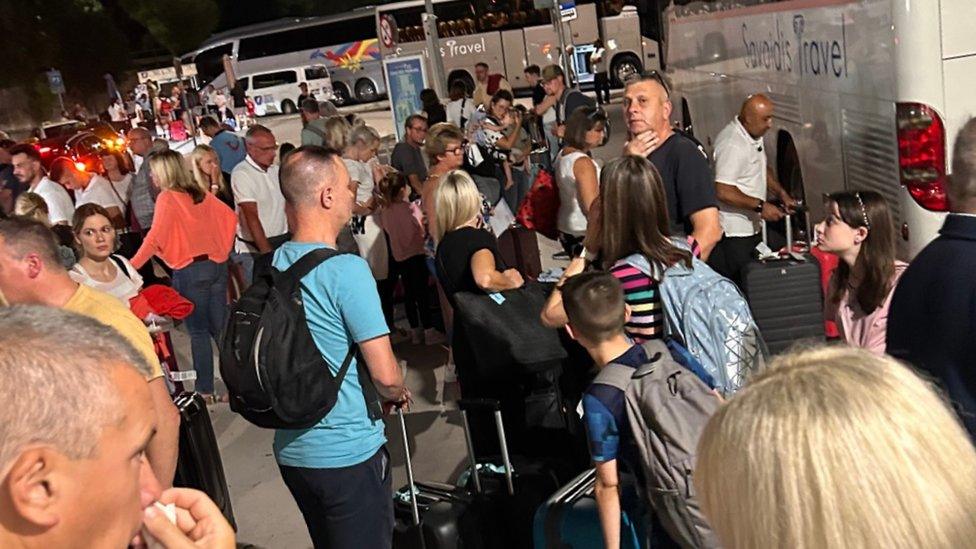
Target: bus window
[210, 62]
[270, 79]
[316, 72]
[349, 30]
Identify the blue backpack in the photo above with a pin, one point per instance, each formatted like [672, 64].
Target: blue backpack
[708, 313]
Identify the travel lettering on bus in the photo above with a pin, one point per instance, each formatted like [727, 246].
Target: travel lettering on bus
[817, 56]
[451, 48]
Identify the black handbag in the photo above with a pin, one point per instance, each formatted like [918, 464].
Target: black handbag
[503, 329]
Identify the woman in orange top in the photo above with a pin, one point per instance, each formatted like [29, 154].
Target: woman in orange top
[192, 232]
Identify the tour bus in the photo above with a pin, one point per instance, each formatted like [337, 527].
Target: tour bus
[869, 94]
[511, 35]
[346, 44]
[275, 90]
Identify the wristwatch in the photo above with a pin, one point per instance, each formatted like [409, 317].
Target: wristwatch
[759, 206]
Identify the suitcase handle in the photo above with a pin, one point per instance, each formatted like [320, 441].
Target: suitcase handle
[495, 407]
[406, 454]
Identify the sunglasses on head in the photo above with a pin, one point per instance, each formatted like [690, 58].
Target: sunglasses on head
[649, 75]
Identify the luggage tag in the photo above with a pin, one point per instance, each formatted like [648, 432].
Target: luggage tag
[497, 297]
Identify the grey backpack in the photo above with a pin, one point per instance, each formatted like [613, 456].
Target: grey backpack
[667, 408]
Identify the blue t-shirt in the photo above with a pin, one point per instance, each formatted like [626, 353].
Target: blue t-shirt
[342, 307]
[605, 415]
[230, 150]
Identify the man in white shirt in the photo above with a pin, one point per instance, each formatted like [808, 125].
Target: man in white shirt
[262, 225]
[27, 169]
[89, 188]
[743, 182]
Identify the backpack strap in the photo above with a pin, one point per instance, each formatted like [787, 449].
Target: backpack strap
[288, 281]
[615, 375]
[118, 261]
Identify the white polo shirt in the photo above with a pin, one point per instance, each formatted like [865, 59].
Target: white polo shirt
[60, 208]
[99, 191]
[252, 184]
[740, 160]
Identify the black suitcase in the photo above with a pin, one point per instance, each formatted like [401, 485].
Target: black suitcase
[513, 486]
[199, 465]
[434, 515]
[786, 297]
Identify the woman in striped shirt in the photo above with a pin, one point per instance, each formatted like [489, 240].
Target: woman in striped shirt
[631, 217]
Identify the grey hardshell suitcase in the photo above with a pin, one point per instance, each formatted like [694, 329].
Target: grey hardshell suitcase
[785, 296]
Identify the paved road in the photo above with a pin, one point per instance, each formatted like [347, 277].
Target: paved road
[266, 514]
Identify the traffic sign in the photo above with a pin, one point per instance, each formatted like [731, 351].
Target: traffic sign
[387, 26]
[55, 82]
[567, 10]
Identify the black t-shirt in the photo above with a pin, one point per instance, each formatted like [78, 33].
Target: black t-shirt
[688, 180]
[538, 94]
[454, 259]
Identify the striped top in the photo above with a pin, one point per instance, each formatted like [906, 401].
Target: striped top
[641, 293]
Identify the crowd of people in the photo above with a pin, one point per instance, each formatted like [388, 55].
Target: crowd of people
[86, 400]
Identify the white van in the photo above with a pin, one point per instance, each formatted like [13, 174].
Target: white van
[276, 91]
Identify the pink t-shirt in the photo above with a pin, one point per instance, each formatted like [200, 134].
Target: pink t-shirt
[858, 329]
[403, 224]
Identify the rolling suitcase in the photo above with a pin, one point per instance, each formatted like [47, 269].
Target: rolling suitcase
[434, 515]
[513, 486]
[785, 296]
[199, 465]
[570, 518]
[519, 248]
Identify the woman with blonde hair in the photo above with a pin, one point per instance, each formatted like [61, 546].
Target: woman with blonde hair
[205, 167]
[336, 132]
[836, 447]
[468, 260]
[192, 232]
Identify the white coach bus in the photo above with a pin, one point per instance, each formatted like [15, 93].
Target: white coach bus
[869, 93]
[510, 35]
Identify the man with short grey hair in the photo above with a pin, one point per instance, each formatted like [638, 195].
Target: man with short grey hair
[30, 274]
[338, 471]
[74, 427]
[933, 311]
[262, 224]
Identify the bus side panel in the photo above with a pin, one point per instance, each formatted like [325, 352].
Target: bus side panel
[541, 46]
[514, 42]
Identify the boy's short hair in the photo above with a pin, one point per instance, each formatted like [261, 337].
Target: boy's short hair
[594, 303]
[533, 69]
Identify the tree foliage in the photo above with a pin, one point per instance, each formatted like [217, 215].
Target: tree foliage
[178, 25]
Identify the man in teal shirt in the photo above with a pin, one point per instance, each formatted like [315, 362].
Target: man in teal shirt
[228, 145]
[339, 470]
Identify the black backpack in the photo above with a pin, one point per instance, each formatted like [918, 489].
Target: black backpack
[274, 372]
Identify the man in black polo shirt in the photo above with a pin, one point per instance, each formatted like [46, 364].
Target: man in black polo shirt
[683, 165]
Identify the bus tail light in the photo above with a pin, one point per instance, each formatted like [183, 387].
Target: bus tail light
[922, 155]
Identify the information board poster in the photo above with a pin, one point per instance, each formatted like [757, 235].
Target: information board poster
[405, 78]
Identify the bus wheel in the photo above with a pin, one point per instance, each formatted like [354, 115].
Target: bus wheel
[288, 107]
[623, 67]
[340, 94]
[366, 90]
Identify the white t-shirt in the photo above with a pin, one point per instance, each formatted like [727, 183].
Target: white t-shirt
[123, 187]
[362, 173]
[458, 109]
[99, 191]
[252, 184]
[570, 219]
[60, 208]
[122, 287]
[740, 161]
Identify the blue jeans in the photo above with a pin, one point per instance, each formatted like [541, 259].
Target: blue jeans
[246, 261]
[204, 283]
[520, 187]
